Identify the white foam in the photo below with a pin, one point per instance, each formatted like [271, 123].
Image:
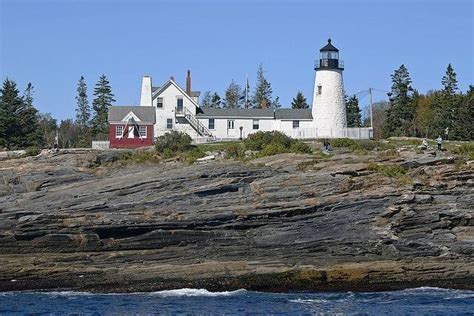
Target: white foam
[195, 292]
[309, 301]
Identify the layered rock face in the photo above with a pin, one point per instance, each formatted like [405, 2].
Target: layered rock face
[287, 222]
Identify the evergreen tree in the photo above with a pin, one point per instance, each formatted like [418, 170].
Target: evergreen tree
[353, 112]
[276, 103]
[206, 100]
[449, 81]
[400, 115]
[215, 101]
[262, 97]
[299, 102]
[103, 98]
[464, 116]
[18, 119]
[232, 95]
[83, 111]
[29, 94]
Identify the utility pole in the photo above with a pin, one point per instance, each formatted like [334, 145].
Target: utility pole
[370, 104]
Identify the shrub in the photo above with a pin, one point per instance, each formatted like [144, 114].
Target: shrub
[234, 150]
[173, 142]
[259, 140]
[193, 155]
[32, 151]
[343, 142]
[272, 149]
[391, 171]
[300, 147]
[465, 150]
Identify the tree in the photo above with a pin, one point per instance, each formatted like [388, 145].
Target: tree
[83, 111]
[299, 102]
[48, 126]
[215, 101]
[103, 99]
[276, 103]
[449, 81]
[353, 112]
[379, 114]
[18, 119]
[262, 97]
[29, 94]
[206, 100]
[232, 95]
[69, 134]
[400, 115]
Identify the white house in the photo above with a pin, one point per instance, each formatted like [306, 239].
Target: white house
[178, 109]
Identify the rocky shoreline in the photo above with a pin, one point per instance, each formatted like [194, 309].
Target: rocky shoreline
[281, 223]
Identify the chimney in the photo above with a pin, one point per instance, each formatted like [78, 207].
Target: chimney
[172, 78]
[188, 83]
[145, 97]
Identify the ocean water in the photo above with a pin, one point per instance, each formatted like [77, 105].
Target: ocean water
[420, 301]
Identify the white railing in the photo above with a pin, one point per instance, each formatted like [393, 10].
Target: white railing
[353, 132]
[198, 126]
[100, 144]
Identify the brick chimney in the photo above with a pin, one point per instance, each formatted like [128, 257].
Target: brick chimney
[188, 83]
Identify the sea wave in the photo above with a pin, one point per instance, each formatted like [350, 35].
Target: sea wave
[195, 292]
[309, 301]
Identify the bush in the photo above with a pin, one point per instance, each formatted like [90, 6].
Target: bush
[235, 151]
[300, 147]
[32, 151]
[272, 149]
[465, 150]
[343, 142]
[391, 171]
[193, 155]
[259, 140]
[173, 142]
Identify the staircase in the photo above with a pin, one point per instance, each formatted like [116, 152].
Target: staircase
[198, 126]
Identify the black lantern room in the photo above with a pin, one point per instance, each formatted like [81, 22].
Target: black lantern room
[329, 58]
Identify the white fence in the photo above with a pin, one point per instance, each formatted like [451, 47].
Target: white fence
[100, 144]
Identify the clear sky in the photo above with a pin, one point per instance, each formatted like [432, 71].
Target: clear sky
[51, 43]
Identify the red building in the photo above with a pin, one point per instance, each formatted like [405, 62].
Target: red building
[131, 126]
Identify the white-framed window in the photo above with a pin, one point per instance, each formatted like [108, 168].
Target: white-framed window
[169, 123]
[142, 131]
[211, 124]
[118, 131]
[320, 89]
[256, 124]
[179, 105]
[159, 103]
[296, 124]
[230, 124]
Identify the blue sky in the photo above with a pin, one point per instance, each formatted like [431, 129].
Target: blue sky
[52, 43]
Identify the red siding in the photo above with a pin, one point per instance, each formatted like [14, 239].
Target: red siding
[126, 142]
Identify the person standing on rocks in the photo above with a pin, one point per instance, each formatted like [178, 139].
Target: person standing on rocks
[439, 141]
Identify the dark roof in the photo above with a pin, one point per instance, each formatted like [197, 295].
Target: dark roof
[247, 113]
[329, 47]
[294, 114]
[146, 114]
[153, 89]
[282, 114]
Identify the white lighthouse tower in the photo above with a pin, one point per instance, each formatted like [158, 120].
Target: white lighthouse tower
[329, 109]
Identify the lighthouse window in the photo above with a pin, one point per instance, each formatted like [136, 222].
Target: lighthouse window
[320, 89]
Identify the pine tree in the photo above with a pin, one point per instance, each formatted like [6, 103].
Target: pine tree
[400, 115]
[18, 119]
[299, 102]
[83, 111]
[206, 100]
[215, 101]
[449, 81]
[29, 94]
[353, 112]
[262, 97]
[232, 95]
[276, 103]
[103, 99]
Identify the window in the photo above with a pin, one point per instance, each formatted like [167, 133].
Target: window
[169, 123]
[142, 131]
[179, 105]
[211, 124]
[296, 124]
[320, 89]
[230, 124]
[255, 124]
[119, 131]
[159, 102]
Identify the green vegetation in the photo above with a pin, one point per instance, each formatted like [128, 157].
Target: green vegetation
[32, 151]
[173, 142]
[139, 157]
[272, 143]
[464, 150]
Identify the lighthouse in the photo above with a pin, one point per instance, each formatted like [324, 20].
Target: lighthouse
[329, 109]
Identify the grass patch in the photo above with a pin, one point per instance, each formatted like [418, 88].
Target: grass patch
[466, 150]
[32, 151]
[391, 171]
